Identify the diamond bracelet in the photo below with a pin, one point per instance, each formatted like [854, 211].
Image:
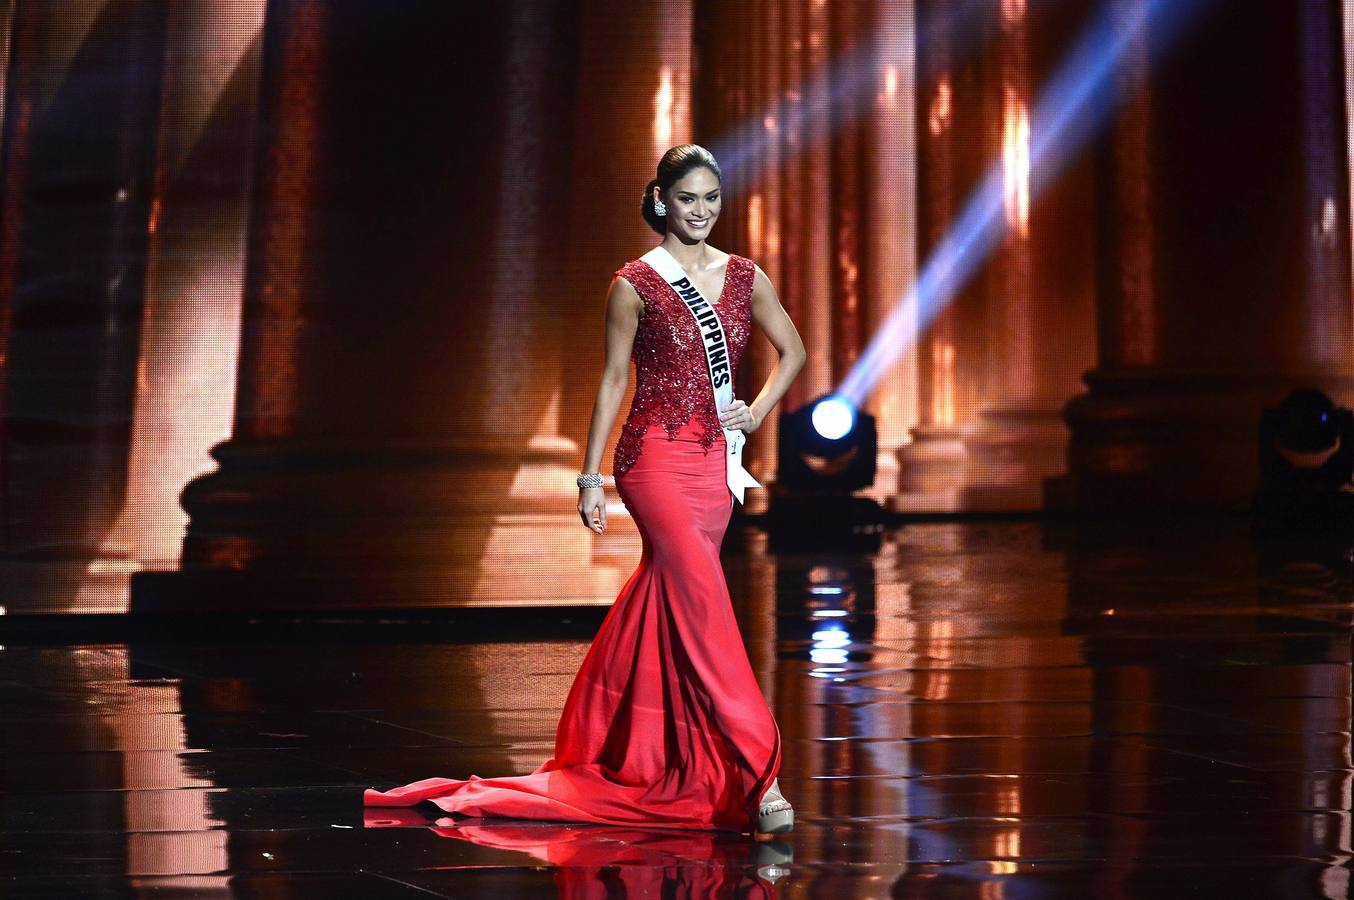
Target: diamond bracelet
[590, 480]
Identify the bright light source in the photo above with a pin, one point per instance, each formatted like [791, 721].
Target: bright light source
[833, 418]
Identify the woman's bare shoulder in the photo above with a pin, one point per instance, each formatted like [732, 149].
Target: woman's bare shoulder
[624, 292]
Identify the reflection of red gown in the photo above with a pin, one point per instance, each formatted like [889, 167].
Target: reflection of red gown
[665, 724]
[606, 861]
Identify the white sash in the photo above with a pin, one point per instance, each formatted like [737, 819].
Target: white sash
[716, 359]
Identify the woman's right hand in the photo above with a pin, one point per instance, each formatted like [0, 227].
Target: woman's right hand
[592, 508]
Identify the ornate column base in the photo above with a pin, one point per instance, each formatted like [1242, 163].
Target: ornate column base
[930, 471]
[1012, 451]
[1181, 441]
[286, 525]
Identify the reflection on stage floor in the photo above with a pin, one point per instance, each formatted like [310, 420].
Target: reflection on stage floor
[982, 709]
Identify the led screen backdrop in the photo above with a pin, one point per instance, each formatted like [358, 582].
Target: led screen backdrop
[295, 289]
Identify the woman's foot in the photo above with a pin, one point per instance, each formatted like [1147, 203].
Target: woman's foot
[775, 815]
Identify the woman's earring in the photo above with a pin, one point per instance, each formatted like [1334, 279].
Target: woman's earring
[660, 208]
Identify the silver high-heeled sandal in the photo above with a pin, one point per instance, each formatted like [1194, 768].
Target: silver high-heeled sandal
[775, 815]
[773, 859]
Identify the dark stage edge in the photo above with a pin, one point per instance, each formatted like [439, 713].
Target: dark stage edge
[446, 624]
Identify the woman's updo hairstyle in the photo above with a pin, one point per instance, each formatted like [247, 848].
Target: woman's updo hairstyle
[671, 168]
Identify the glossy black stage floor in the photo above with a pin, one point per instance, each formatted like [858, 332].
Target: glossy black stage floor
[986, 710]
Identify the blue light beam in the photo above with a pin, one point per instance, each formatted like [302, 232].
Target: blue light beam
[831, 96]
[1078, 101]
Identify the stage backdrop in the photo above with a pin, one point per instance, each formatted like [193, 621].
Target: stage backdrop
[302, 303]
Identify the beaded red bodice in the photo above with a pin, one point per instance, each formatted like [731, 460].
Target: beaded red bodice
[673, 380]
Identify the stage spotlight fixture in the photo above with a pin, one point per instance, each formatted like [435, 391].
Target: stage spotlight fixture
[833, 418]
[827, 446]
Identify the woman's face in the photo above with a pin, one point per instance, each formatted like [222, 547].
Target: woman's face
[693, 204]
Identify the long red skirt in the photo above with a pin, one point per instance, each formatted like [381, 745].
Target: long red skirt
[665, 724]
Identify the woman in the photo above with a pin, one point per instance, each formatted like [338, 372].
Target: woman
[665, 724]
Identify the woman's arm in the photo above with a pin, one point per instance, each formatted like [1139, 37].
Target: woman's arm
[772, 318]
[623, 309]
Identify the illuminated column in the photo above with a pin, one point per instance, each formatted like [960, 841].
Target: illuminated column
[847, 208]
[397, 356]
[808, 106]
[766, 205]
[793, 287]
[1040, 297]
[800, 130]
[872, 209]
[1224, 276]
[814, 162]
[725, 85]
[195, 271]
[82, 87]
[800, 202]
[931, 465]
[890, 238]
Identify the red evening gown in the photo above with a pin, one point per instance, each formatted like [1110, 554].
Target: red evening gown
[665, 724]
